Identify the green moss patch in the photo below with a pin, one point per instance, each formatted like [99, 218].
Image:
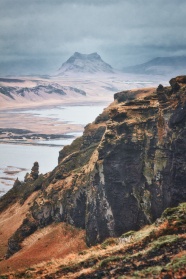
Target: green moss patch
[108, 242]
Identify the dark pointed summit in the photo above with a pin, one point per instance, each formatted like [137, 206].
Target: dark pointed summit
[78, 55]
[93, 55]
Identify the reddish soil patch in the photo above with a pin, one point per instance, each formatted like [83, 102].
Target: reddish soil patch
[10, 221]
[52, 242]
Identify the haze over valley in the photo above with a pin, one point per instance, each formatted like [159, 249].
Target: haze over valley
[82, 77]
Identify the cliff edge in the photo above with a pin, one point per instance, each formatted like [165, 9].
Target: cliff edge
[125, 170]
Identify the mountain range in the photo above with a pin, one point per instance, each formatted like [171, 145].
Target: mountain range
[160, 65]
[92, 63]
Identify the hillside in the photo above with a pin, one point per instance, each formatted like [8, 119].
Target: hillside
[72, 88]
[156, 251]
[126, 169]
[35, 90]
[175, 65]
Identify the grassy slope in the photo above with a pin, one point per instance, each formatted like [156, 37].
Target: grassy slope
[156, 251]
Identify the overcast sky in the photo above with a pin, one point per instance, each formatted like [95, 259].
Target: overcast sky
[37, 36]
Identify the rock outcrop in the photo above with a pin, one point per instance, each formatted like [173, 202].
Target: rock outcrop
[128, 167]
[29, 177]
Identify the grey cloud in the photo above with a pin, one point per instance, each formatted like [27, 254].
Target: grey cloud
[123, 32]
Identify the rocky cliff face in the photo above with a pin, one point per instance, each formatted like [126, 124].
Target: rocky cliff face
[128, 166]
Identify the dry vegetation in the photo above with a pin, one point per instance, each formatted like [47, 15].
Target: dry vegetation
[9, 224]
[156, 251]
[53, 242]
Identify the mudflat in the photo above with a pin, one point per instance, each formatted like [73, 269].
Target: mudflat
[37, 134]
[29, 124]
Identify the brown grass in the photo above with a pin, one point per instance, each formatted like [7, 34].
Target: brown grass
[66, 256]
[52, 242]
[10, 221]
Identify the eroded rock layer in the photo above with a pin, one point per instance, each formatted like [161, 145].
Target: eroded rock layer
[129, 165]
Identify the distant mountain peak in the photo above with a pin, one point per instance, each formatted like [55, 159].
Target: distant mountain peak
[171, 65]
[85, 63]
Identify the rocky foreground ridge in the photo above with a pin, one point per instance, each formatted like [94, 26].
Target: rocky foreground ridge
[156, 251]
[125, 170]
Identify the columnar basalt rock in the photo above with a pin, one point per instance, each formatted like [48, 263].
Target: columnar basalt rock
[128, 166]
